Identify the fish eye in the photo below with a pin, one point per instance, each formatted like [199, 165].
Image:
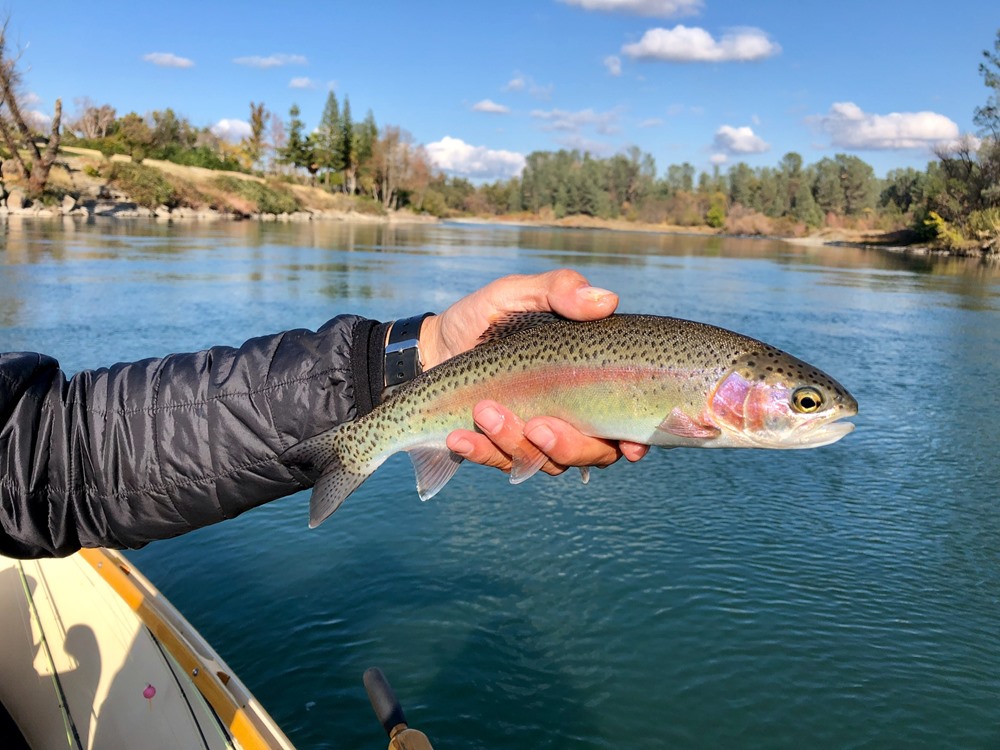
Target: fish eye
[807, 400]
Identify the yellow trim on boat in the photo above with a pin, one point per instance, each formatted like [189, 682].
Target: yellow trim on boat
[249, 725]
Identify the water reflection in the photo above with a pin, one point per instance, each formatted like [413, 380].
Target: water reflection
[698, 599]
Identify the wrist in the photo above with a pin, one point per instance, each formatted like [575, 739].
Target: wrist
[402, 354]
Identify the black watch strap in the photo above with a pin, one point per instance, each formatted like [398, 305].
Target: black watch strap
[402, 352]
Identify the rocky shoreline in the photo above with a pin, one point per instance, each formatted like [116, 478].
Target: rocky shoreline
[109, 204]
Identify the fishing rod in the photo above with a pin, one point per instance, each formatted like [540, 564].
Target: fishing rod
[390, 713]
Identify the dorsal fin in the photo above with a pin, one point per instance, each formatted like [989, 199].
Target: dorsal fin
[511, 323]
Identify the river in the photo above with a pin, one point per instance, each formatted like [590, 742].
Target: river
[841, 597]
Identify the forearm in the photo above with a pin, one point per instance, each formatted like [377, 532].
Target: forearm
[149, 450]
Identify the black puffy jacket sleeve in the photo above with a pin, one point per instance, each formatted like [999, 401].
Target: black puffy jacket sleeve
[121, 456]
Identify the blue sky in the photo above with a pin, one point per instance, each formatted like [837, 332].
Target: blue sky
[482, 84]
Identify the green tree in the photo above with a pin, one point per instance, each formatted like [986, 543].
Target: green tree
[253, 145]
[742, 185]
[680, 177]
[365, 137]
[715, 217]
[136, 135]
[987, 117]
[903, 189]
[329, 134]
[298, 150]
[804, 206]
[348, 149]
[858, 183]
[827, 190]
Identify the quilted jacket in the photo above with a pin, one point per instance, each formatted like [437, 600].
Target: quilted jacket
[122, 456]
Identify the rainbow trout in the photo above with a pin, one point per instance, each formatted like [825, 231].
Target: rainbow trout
[652, 380]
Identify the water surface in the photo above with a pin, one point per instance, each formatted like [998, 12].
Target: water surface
[839, 597]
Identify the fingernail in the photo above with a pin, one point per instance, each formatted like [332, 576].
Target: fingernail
[595, 294]
[542, 437]
[489, 419]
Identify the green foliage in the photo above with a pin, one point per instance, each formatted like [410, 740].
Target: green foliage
[299, 150]
[253, 145]
[329, 134]
[987, 117]
[434, 204]
[985, 224]
[200, 156]
[944, 232]
[135, 136]
[270, 198]
[715, 217]
[568, 183]
[147, 186]
[804, 206]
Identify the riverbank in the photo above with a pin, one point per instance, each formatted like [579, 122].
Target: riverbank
[84, 183]
[87, 184]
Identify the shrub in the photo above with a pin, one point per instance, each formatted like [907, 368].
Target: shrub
[943, 232]
[985, 224]
[715, 217]
[146, 186]
[270, 198]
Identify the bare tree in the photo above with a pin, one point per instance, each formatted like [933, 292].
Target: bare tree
[92, 122]
[16, 134]
[279, 140]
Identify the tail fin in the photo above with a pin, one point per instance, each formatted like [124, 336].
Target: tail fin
[336, 482]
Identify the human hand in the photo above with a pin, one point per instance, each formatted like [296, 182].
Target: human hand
[504, 435]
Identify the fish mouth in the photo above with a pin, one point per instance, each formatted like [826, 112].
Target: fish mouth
[824, 434]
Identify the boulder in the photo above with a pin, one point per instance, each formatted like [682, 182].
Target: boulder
[16, 200]
[68, 204]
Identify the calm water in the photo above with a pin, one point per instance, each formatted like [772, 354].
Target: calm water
[842, 597]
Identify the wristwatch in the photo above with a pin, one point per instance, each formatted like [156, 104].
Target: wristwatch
[402, 351]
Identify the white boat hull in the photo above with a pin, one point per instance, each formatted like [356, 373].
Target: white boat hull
[93, 656]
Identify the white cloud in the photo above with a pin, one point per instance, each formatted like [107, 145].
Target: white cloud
[168, 60]
[488, 105]
[676, 110]
[302, 83]
[232, 130]
[587, 145]
[271, 61]
[458, 157]
[604, 123]
[718, 159]
[684, 44]
[659, 8]
[614, 64]
[525, 83]
[850, 127]
[652, 122]
[38, 119]
[517, 83]
[742, 140]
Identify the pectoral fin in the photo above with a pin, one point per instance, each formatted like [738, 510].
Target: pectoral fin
[680, 424]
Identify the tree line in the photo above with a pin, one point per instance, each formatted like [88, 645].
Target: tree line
[339, 153]
[955, 200]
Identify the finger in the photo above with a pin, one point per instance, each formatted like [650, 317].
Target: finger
[562, 291]
[567, 446]
[478, 448]
[633, 451]
[570, 295]
[506, 430]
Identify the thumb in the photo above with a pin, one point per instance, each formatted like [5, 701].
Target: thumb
[569, 294]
